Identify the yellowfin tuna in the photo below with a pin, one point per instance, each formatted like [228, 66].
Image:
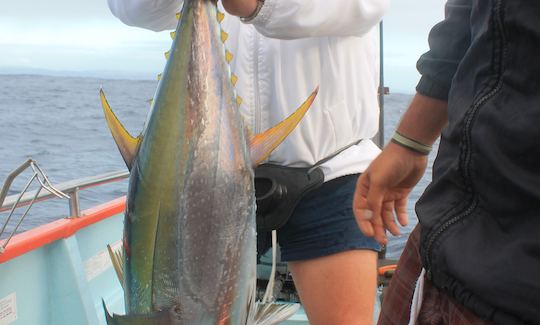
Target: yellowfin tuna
[189, 231]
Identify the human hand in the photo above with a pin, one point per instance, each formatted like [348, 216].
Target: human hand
[240, 8]
[383, 189]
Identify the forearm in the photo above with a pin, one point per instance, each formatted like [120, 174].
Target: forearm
[383, 189]
[448, 42]
[424, 119]
[292, 19]
[156, 15]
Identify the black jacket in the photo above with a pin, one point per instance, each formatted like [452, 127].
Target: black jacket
[480, 216]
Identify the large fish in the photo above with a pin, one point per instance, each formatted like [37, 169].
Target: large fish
[189, 230]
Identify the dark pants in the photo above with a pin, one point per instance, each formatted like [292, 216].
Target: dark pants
[437, 306]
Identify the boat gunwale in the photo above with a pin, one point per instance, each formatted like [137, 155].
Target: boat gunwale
[40, 236]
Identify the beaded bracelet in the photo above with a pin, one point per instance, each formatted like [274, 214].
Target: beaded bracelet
[410, 144]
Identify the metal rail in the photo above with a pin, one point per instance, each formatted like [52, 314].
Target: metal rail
[378, 139]
[68, 190]
[71, 188]
[381, 86]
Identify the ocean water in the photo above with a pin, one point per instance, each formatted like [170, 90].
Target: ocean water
[58, 121]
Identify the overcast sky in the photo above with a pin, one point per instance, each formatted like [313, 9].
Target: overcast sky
[82, 36]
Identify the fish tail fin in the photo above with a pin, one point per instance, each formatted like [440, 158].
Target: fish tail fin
[273, 313]
[127, 144]
[108, 317]
[261, 145]
[166, 317]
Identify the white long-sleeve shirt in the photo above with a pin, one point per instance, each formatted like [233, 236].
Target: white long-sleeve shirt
[282, 55]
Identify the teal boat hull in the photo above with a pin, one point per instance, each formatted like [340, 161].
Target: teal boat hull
[59, 273]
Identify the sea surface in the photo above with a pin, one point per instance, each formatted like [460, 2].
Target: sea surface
[58, 122]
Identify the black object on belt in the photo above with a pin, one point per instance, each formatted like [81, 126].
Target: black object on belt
[278, 189]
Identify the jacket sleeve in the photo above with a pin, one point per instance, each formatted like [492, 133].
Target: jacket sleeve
[448, 42]
[290, 19]
[156, 15]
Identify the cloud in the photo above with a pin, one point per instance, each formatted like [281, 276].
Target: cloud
[76, 36]
[87, 34]
[82, 35]
[57, 10]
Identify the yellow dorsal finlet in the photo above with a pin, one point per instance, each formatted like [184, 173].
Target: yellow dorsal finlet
[159, 77]
[167, 55]
[173, 35]
[262, 144]
[234, 79]
[220, 16]
[224, 36]
[127, 144]
[178, 15]
[228, 56]
[239, 100]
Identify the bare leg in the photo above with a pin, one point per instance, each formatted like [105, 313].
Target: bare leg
[338, 289]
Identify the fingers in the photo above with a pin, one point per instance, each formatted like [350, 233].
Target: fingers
[395, 206]
[388, 218]
[362, 213]
[365, 227]
[401, 211]
[376, 209]
[379, 230]
[374, 202]
[367, 204]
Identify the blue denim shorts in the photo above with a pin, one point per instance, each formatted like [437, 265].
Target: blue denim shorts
[323, 223]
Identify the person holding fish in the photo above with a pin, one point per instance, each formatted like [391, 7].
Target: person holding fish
[279, 51]
[473, 258]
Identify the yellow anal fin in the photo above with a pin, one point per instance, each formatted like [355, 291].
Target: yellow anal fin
[262, 144]
[127, 144]
[117, 259]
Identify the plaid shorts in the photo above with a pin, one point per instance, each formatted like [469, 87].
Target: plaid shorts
[437, 306]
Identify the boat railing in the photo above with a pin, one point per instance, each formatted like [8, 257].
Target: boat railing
[68, 190]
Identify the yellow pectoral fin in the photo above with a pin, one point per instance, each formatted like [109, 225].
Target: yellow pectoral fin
[127, 144]
[262, 144]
